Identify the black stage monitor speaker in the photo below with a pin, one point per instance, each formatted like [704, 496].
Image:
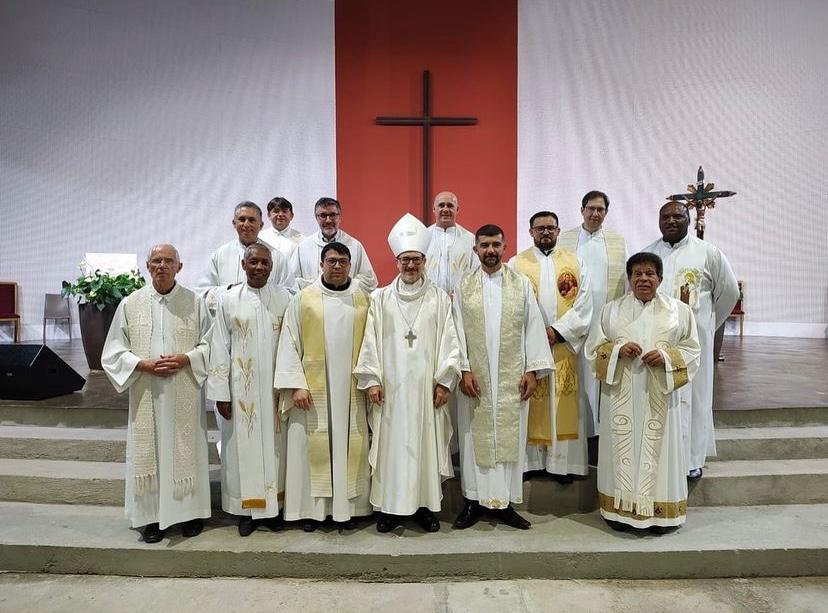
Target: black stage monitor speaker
[35, 372]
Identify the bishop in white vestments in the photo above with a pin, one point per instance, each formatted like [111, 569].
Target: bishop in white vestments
[156, 348]
[504, 352]
[603, 255]
[327, 421]
[408, 364]
[697, 273]
[557, 428]
[645, 349]
[304, 263]
[242, 358]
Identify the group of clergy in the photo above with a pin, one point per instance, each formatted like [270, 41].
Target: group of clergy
[336, 399]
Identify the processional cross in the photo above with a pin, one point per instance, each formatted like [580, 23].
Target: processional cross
[701, 197]
[426, 120]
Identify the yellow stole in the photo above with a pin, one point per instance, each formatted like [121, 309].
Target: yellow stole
[495, 431]
[314, 364]
[568, 279]
[616, 262]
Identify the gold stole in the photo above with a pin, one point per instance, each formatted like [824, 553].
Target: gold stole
[566, 363]
[314, 364]
[138, 312]
[616, 262]
[504, 421]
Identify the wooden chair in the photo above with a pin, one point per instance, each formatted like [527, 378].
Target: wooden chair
[738, 311]
[56, 307]
[9, 307]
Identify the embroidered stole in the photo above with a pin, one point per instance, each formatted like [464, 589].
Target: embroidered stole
[635, 483]
[315, 367]
[138, 311]
[568, 273]
[252, 327]
[616, 262]
[495, 430]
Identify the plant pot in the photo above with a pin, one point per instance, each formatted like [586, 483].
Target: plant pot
[94, 326]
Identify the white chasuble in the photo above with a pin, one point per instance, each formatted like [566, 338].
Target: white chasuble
[242, 356]
[642, 466]
[410, 346]
[167, 477]
[565, 301]
[225, 269]
[603, 256]
[327, 461]
[713, 288]
[502, 336]
[285, 241]
[305, 261]
[450, 256]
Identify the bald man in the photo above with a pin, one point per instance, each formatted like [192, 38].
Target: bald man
[451, 251]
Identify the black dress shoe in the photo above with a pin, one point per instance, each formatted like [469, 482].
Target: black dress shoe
[510, 517]
[275, 523]
[695, 474]
[310, 525]
[247, 525]
[660, 530]
[427, 520]
[469, 516]
[387, 522]
[192, 528]
[152, 533]
[617, 525]
[350, 524]
[563, 479]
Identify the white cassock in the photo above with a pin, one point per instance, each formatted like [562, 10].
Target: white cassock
[594, 251]
[163, 325]
[284, 241]
[304, 263]
[338, 332]
[564, 456]
[450, 256]
[409, 454]
[713, 292]
[225, 269]
[642, 465]
[243, 346]
[496, 486]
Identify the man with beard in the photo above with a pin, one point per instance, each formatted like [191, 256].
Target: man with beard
[504, 352]
[408, 364]
[327, 429]
[645, 348]
[557, 439]
[699, 275]
[242, 355]
[305, 260]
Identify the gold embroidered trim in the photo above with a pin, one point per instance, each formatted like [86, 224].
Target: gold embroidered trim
[661, 510]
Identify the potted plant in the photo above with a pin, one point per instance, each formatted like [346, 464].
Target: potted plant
[98, 294]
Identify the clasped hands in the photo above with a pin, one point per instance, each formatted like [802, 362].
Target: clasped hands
[471, 388]
[165, 365]
[376, 395]
[631, 349]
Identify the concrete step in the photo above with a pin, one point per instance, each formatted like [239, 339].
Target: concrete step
[792, 416]
[777, 443]
[728, 483]
[32, 414]
[83, 444]
[788, 540]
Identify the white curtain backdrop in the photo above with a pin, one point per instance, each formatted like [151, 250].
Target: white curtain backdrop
[124, 124]
[631, 96]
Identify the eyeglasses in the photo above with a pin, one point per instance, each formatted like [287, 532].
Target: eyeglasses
[545, 229]
[334, 262]
[405, 261]
[324, 216]
[595, 209]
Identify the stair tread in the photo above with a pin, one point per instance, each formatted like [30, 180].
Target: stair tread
[778, 432]
[752, 468]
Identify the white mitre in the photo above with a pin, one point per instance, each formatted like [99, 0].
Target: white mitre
[409, 234]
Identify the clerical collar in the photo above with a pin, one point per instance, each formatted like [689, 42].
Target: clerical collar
[336, 288]
[678, 244]
[545, 252]
[335, 237]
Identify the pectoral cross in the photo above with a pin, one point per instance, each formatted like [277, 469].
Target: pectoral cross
[410, 338]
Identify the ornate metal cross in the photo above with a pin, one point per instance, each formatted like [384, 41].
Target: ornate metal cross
[410, 338]
[701, 197]
[426, 120]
